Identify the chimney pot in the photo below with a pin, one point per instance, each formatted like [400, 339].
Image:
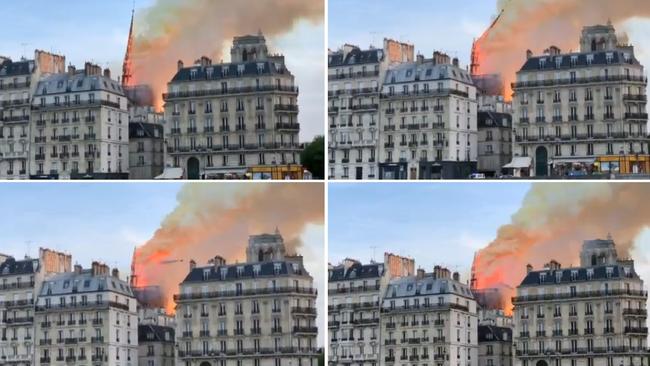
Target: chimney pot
[77, 269]
[529, 54]
[115, 273]
[192, 264]
[107, 73]
[180, 65]
[529, 268]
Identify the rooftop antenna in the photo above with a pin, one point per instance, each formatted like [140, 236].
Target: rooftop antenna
[24, 46]
[373, 247]
[28, 247]
[374, 39]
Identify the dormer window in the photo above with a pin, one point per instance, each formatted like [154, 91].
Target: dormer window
[558, 276]
[590, 273]
[240, 271]
[206, 274]
[192, 74]
[240, 69]
[574, 60]
[208, 72]
[590, 59]
[574, 275]
[542, 63]
[609, 271]
[277, 267]
[223, 272]
[609, 57]
[260, 67]
[256, 270]
[558, 62]
[542, 277]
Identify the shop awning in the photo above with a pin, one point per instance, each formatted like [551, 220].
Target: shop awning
[171, 173]
[519, 162]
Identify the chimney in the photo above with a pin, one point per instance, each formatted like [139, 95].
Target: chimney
[529, 54]
[529, 268]
[94, 268]
[554, 50]
[77, 268]
[420, 274]
[71, 69]
[455, 61]
[419, 58]
[436, 272]
[107, 73]
[115, 273]
[204, 61]
[92, 70]
[180, 65]
[219, 261]
[456, 276]
[192, 264]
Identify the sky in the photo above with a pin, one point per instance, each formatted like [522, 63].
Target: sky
[438, 224]
[425, 23]
[97, 31]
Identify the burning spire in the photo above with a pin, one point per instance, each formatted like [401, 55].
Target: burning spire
[127, 73]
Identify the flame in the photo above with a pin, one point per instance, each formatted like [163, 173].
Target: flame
[213, 219]
[552, 223]
[537, 24]
[173, 30]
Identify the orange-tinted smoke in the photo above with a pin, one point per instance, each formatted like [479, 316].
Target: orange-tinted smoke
[173, 30]
[552, 223]
[538, 24]
[213, 219]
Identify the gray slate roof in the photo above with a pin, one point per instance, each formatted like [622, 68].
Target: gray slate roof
[266, 269]
[355, 57]
[600, 58]
[79, 82]
[10, 68]
[492, 333]
[427, 285]
[495, 118]
[425, 71]
[12, 267]
[356, 271]
[600, 273]
[229, 71]
[71, 282]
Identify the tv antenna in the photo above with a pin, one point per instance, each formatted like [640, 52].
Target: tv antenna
[373, 247]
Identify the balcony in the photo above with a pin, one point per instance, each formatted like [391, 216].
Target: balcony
[96, 339]
[641, 116]
[90, 136]
[290, 108]
[305, 330]
[635, 97]
[635, 330]
[287, 126]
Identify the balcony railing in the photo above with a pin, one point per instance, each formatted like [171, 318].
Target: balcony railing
[251, 292]
[216, 92]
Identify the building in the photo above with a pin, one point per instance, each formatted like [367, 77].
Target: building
[20, 280]
[355, 291]
[494, 345]
[591, 315]
[429, 318]
[146, 150]
[18, 81]
[224, 118]
[494, 142]
[428, 120]
[571, 108]
[261, 312]
[354, 85]
[80, 126]
[86, 317]
[155, 345]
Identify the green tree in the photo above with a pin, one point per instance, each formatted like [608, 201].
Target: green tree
[313, 157]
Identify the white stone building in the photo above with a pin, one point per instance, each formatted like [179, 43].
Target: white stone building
[591, 315]
[258, 313]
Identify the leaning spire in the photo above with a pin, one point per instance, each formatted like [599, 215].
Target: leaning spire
[127, 72]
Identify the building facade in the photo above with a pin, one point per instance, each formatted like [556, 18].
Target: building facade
[494, 142]
[591, 315]
[428, 120]
[80, 126]
[20, 280]
[146, 150]
[494, 345]
[354, 300]
[18, 81]
[429, 319]
[86, 317]
[225, 118]
[156, 345]
[258, 313]
[571, 108]
[354, 85]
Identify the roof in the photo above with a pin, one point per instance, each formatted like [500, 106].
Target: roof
[10, 68]
[356, 271]
[12, 267]
[155, 333]
[230, 70]
[140, 130]
[245, 271]
[425, 71]
[355, 57]
[77, 82]
[171, 173]
[519, 162]
[492, 333]
[427, 285]
[599, 58]
[489, 119]
[84, 282]
[548, 276]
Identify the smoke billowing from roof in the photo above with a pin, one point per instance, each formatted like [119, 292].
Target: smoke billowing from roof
[173, 30]
[216, 219]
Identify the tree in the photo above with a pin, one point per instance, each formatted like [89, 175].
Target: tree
[313, 157]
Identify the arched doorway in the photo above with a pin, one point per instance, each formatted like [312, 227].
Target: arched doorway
[541, 162]
[193, 168]
[539, 363]
[205, 363]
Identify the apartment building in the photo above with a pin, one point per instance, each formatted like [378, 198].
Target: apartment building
[225, 118]
[429, 319]
[494, 345]
[156, 345]
[261, 312]
[591, 315]
[428, 120]
[571, 108]
[80, 126]
[18, 81]
[494, 142]
[354, 85]
[86, 317]
[146, 149]
[20, 280]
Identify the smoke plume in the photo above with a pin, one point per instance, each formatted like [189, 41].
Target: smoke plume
[173, 30]
[213, 219]
[552, 223]
[538, 24]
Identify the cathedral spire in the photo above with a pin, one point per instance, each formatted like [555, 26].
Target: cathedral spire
[127, 74]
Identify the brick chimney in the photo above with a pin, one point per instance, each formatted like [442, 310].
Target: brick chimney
[192, 264]
[180, 65]
[420, 273]
[77, 268]
[92, 69]
[71, 69]
[115, 273]
[107, 73]
[529, 268]
[529, 54]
